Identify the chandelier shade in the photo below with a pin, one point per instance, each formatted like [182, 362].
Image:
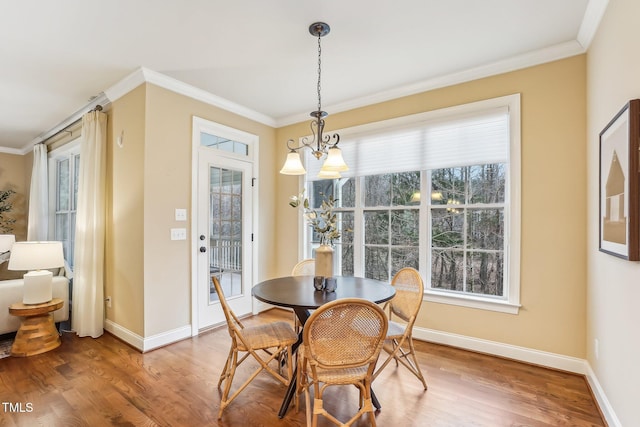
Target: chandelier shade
[320, 144]
[329, 175]
[334, 161]
[293, 164]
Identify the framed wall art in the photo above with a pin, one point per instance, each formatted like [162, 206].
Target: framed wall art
[620, 184]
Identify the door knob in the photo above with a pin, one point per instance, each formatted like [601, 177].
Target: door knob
[203, 249]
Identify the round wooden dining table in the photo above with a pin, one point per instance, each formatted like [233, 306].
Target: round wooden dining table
[298, 293]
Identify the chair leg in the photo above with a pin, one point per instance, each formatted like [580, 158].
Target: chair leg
[307, 405]
[416, 367]
[318, 408]
[224, 401]
[265, 366]
[408, 359]
[225, 370]
[391, 355]
[396, 347]
[369, 405]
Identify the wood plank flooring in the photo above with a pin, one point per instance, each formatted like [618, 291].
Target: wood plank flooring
[103, 382]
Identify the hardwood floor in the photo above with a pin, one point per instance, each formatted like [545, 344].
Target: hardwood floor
[102, 382]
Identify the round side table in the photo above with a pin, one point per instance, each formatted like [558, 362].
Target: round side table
[37, 333]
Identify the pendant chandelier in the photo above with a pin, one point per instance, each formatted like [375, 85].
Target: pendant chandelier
[319, 143]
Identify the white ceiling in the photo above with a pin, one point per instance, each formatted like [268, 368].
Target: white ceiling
[259, 54]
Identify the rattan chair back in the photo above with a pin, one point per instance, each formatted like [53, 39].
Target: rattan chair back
[342, 341]
[409, 292]
[233, 323]
[306, 267]
[345, 333]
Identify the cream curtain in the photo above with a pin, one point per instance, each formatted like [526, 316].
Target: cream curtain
[88, 293]
[37, 226]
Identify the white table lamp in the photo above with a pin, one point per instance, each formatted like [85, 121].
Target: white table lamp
[36, 257]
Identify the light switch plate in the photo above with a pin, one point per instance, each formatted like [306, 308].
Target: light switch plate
[181, 214]
[178, 234]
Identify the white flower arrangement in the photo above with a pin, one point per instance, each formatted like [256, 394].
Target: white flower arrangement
[323, 220]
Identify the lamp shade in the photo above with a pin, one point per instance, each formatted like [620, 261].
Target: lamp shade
[293, 165]
[36, 256]
[329, 174]
[334, 161]
[6, 241]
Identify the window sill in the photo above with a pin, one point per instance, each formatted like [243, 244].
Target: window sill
[471, 302]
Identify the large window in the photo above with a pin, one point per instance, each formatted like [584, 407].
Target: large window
[63, 167]
[439, 194]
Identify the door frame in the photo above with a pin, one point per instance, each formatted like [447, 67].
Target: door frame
[203, 125]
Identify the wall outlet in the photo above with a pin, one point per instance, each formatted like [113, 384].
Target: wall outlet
[596, 348]
[108, 301]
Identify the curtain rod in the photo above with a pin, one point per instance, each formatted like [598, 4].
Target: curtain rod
[98, 103]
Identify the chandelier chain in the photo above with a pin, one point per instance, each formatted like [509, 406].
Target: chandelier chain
[319, 72]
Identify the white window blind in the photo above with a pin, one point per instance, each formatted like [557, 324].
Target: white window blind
[476, 138]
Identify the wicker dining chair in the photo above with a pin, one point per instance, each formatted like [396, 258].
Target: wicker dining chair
[306, 267]
[405, 305]
[275, 339]
[341, 344]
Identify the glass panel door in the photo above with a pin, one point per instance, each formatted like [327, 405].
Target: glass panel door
[224, 235]
[225, 228]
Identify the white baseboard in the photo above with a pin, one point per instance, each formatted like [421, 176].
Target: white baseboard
[150, 343]
[166, 338]
[523, 354]
[537, 357]
[604, 404]
[124, 334]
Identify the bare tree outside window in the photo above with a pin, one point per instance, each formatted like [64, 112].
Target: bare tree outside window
[467, 229]
[391, 223]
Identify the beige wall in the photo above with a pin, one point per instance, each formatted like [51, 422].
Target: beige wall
[149, 276]
[124, 259]
[613, 284]
[553, 267]
[14, 176]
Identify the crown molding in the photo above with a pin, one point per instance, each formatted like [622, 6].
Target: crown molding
[553, 53]
[145, 75]
[8, 150]
[126, 85]
[591, 21]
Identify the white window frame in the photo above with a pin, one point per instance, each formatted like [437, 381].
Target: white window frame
[510, 303]
[67, 151]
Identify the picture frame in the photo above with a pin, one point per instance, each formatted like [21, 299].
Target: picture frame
[619, 184]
